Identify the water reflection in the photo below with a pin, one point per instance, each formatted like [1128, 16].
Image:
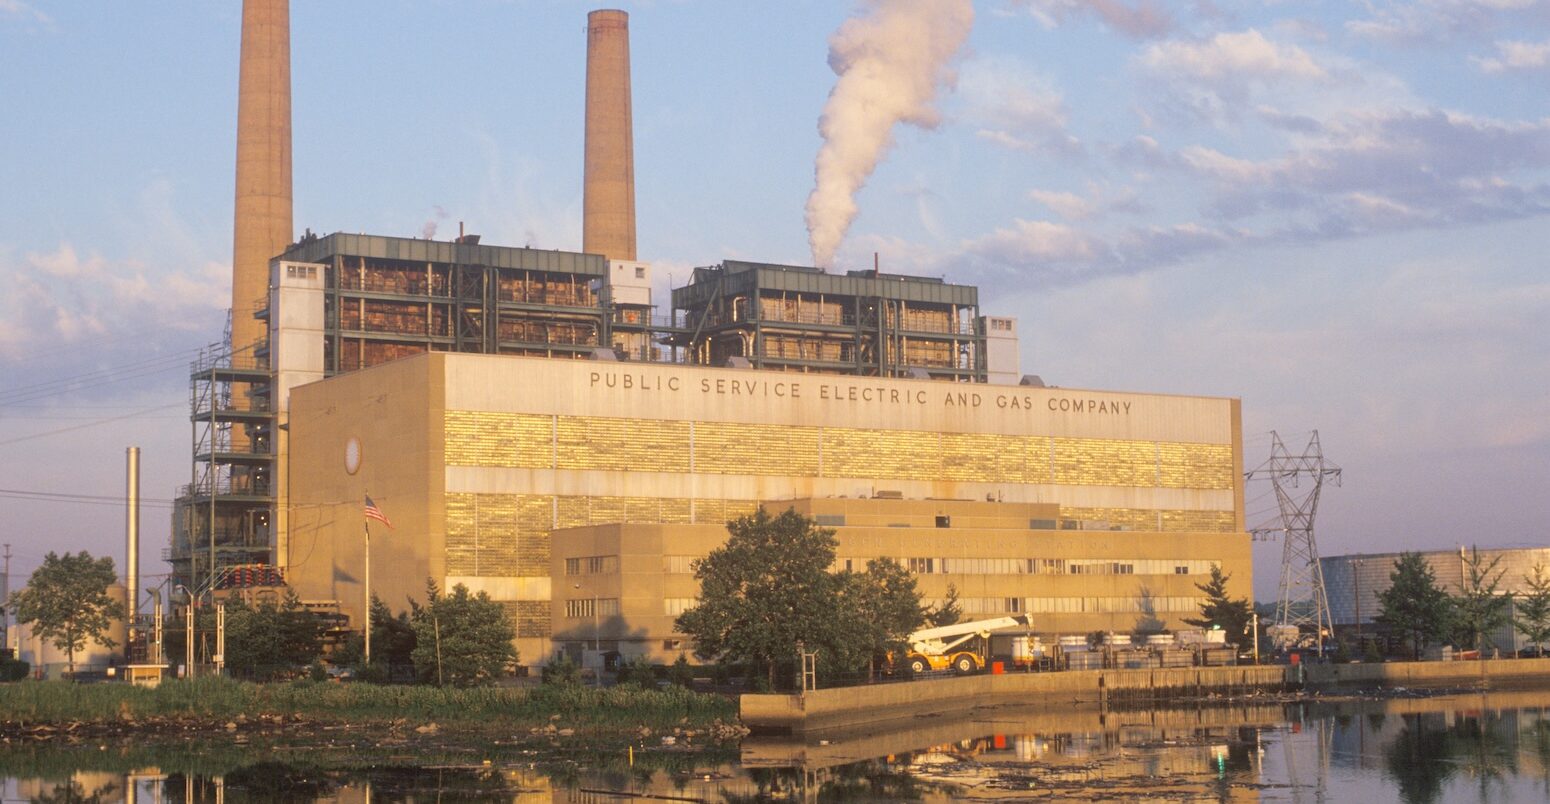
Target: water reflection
[1463, 748]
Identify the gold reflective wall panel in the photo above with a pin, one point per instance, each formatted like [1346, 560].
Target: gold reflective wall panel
[516, 440]
[507, 535]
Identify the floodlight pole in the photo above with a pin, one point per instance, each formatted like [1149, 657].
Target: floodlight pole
[367, 618]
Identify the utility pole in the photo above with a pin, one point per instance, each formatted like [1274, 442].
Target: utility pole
[189, 648]
[1302, 601]
[5, 601]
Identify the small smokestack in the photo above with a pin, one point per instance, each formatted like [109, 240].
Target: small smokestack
[263, 225]
[132, 533]
[608, 196]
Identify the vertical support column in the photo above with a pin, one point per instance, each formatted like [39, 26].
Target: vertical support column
[132, 538]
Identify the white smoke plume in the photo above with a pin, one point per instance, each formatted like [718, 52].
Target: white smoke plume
[890, 59]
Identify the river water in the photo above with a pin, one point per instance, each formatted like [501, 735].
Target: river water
[1477, 747]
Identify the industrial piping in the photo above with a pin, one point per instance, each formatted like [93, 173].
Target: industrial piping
[132, 535]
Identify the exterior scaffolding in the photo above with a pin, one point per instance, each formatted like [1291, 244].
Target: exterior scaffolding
[221, 519]
[797, 318]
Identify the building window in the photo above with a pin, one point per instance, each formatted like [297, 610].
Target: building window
[640, 272]
[921, 566]
[591, 565]
[830, 520]
[592, 607]
[674, 606]
[679, 565]
[944, 521]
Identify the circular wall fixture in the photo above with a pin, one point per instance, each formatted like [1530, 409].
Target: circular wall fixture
[352, 455]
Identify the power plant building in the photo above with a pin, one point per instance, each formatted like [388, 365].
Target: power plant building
[486, 463]
[522, 413]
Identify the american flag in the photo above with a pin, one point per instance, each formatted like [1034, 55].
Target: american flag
[373, 512]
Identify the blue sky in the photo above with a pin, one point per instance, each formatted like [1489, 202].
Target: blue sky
[1333, 210]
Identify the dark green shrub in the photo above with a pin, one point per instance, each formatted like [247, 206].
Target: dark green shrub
[561, 671]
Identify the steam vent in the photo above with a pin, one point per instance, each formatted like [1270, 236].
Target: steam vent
[608, 217]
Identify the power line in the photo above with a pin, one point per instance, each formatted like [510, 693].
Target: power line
[94, 379]
[79, 499]
[75, 427]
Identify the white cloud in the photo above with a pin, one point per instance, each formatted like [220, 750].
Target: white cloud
[1013, 106]
[1096, 201]
[65, 263]
[1515, 56]
[1036, 244]
[1240, 57]
[19, 9]
[1376, 172]
[1142, 19]
[1411, 22]
[1067, 205]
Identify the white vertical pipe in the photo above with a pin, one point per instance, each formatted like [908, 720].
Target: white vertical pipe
[132, 535]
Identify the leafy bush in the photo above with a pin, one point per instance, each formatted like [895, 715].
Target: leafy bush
[561, 671]
[681, 673]
[638, 671]
[13, 669]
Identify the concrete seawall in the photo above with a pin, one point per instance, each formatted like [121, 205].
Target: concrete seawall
[851, 707]
[1493, 673]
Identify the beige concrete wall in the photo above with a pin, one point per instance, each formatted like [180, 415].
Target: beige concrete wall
[585, 388]
[641, 584]
[395, 412]
[1492, 672]
[849, 707]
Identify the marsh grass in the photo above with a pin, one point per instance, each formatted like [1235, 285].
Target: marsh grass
[53, 702]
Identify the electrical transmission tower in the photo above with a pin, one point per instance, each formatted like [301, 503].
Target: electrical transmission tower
[1298, 479]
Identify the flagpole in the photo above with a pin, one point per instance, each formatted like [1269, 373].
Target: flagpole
[368, 593]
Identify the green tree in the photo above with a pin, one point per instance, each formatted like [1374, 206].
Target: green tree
[392, 643]
[1478, 609]
[461, 639]
[271, 640]
[1221, 611]
[768, 588]
[1414, 605]
[67, 602]
[881, 608]
[948, 612]
[1534, 608]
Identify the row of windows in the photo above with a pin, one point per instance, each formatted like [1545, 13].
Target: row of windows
[674, 606]
[592, 565]
[592, 607]
[1145, 605]
[681, 565]
[1047, 566]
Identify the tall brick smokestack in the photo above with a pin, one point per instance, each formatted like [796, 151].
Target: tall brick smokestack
[263, 221]
[608, 203]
